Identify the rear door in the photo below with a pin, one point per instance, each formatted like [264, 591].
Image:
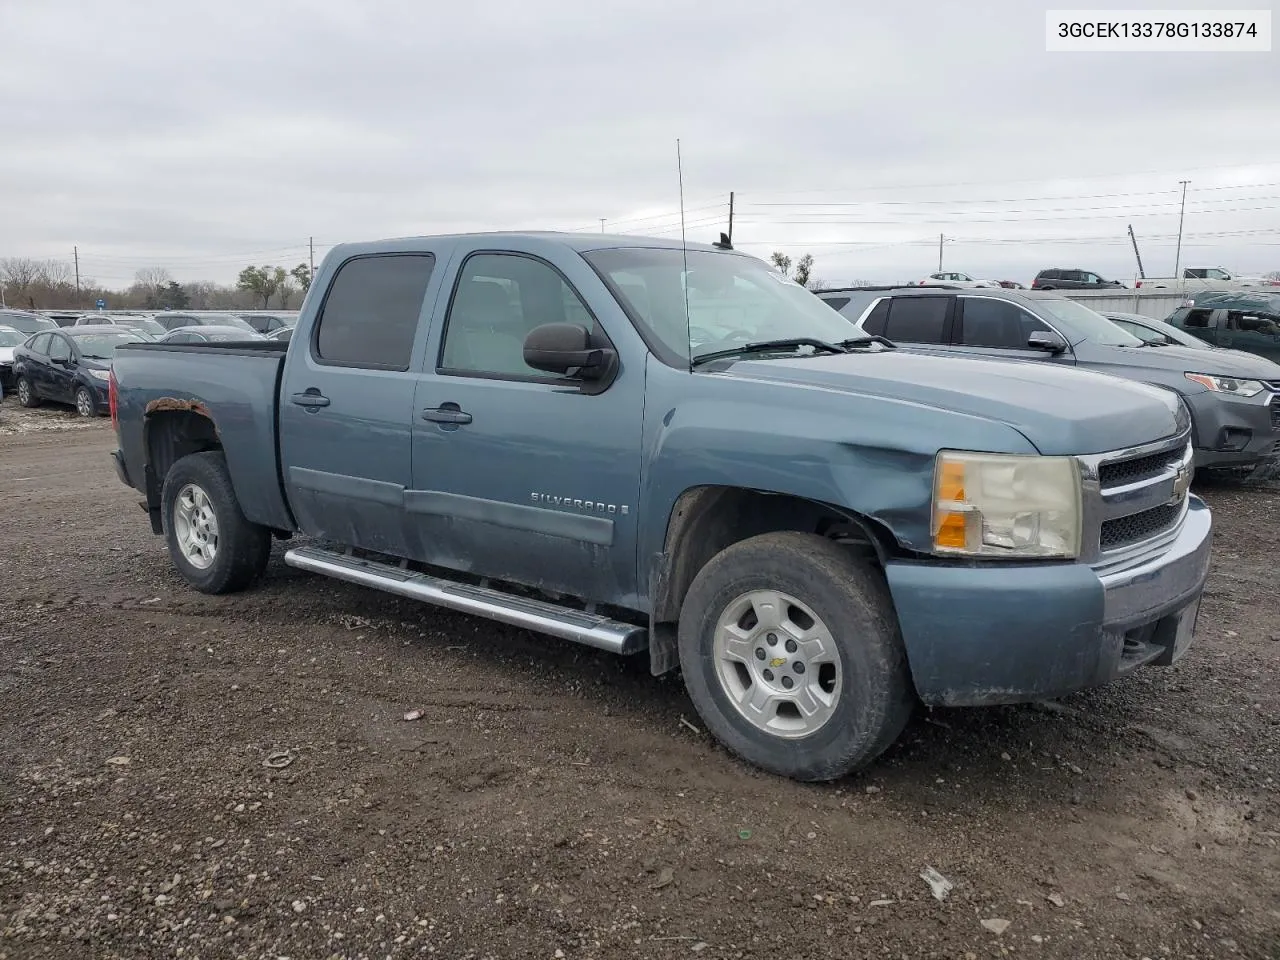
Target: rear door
[347, 401]
[918, 320]
[36, 365]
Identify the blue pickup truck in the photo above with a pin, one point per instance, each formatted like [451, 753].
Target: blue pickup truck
[644, 447]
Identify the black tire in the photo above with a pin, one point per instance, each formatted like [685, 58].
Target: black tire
[1047, 288]
[243, 548]
[85, 401]
[31, 400]
[852, 599]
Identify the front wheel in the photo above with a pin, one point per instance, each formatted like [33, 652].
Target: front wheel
[791, 654]
[85, 405]
[26, 395]
[211, 543]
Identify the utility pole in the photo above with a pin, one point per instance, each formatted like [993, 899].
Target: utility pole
[940, 239]
[731, 218]
[602, 224]
[75, 252]
[1177, 259]
[1137, 256]
[311, 245]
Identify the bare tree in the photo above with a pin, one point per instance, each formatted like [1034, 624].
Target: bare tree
[781, 261]
[804, 268]
[152, 277]
[18, 274]
[57, 273]
[285, 292]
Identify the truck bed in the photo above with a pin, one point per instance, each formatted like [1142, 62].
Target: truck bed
[235, 386]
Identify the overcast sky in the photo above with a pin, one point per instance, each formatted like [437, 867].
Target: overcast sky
[204, 136]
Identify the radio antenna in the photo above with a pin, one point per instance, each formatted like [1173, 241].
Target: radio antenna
[684, 252]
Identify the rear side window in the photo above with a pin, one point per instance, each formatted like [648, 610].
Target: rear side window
[918, 319]
[996, 323]
[370, 314]
[875, 322]
[1199, 319]
[837, 303]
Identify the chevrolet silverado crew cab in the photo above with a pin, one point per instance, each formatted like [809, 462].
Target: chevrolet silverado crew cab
[676, 451]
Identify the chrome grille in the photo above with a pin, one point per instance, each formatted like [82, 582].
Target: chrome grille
[1137, 527]
[1134, 500]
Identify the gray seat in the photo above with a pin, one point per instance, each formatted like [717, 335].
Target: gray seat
[486, 330]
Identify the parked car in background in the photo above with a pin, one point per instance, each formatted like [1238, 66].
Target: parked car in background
[1059, 278]
[1155, 332]
[10, 339]
[63, 318]
[133, 321]
[1012, 285]
[1234, 398]
[209, 334]
[267, 322]
[26, 322]
[1206, 278]
[1243, 321]
[640, 445]
[172, 320]
[283, 333]
[956, 280]
[71, 365]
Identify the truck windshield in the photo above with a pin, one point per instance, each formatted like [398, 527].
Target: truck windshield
[1079, 323]
[732, 300]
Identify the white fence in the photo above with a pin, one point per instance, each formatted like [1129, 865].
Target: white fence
[1156, 304]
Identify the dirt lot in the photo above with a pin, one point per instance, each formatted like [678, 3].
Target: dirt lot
[551, 802]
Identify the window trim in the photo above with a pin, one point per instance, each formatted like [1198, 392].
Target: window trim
[957, 329]
[597, 330]
[71, 349]
[313, 346]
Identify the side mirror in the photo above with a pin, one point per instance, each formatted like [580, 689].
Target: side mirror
[561, 347]
[1046, 340]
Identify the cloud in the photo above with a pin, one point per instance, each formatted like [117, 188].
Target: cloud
[205, 137]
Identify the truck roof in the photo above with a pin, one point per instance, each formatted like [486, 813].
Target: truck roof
[581, 242]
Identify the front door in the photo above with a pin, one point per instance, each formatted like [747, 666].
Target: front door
[61, 378]
[1255, 333]
[519, 475]
[346, 402]
[988, 326]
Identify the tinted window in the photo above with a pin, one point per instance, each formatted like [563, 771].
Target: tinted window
[499, 298]
[370, 314]
[837, 303]
[875, 322]
[59, 349]
[918, 319]
[1197, 318]
[996, 323]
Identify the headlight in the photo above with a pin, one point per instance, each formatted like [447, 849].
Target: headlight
[1228, 385]
[1005, 505]
[100, 374]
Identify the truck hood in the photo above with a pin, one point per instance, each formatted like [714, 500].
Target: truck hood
[1059, 409]
[1218, 363]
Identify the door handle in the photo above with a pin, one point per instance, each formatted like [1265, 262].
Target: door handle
[311, 398]
[446, 413]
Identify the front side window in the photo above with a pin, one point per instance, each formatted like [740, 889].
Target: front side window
[878, 319]
[370, 313]
[59, 349]
[732, 300]
[40, 344]
[996, 323]
[498, 300]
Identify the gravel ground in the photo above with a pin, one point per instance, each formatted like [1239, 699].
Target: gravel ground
[200, 777]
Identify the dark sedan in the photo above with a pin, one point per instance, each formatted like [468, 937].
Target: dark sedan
[267, 323]
[71, 365]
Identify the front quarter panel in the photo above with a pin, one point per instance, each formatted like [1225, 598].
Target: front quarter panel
[871, 455]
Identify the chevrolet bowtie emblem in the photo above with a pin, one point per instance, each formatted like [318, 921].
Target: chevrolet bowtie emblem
[777, 662]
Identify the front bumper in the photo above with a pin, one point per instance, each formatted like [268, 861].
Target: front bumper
[981, 634]
[1235, 433]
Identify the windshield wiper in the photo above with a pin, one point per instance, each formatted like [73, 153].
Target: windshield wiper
[770, 346]
[866, 341]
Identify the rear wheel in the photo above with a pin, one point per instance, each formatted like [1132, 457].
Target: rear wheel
[211, 543]
[26, 394]
[85, 405]
[790, 652]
